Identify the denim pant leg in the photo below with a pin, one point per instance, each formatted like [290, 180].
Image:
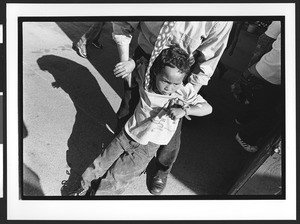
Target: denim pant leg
[93, 32]
[102, 163]
[127, 167]
[167, 154]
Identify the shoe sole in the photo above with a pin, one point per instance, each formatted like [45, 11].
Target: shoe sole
[239, 140]
[79, 51]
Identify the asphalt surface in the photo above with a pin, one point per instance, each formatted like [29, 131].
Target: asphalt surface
[69, 106]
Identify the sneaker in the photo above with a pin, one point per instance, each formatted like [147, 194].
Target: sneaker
[247, 147]
[65, 190]
[80, 48]
[72, 187]
[96, 44]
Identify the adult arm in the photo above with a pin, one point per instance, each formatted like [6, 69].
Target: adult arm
[265, 41]
[210, 52]
[199, 110]
[122, 35]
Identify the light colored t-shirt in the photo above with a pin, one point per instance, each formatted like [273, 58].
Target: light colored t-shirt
[150, 122]
[208, 37]
[269, 66]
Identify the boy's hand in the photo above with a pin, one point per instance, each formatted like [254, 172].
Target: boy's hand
[176, 113]
[123, 69]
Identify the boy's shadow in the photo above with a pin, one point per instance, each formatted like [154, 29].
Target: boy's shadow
[90, 134]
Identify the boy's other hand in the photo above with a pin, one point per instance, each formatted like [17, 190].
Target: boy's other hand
[176, 113]
[123, 69]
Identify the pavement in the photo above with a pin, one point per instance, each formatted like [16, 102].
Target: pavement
[69, 106]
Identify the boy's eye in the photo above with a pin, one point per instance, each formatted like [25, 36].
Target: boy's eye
[176, 84]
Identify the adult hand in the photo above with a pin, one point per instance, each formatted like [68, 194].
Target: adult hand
[176, 113]
[124, 68]
[176, 102]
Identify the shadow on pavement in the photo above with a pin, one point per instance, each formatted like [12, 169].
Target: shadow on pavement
[104, 59]
[90, 133]
[31, 181]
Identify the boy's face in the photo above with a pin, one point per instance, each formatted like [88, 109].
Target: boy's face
[169, 80]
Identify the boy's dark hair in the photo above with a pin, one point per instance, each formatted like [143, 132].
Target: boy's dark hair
[174, 56]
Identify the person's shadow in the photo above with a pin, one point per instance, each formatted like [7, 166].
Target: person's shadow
[90, 134]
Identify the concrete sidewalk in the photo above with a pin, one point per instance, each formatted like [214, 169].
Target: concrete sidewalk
[69, 105]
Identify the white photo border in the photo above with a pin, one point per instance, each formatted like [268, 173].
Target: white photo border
[18, 209]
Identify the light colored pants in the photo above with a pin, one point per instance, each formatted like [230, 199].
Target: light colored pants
[117, 166]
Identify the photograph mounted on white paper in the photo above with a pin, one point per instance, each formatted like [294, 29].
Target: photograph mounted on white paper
[119, 110]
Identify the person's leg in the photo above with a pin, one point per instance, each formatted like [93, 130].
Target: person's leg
[102, 163]
[131, 164]
[244, 114]
[264, 45]
[95, 38]
[131, 95]
[92, 33]
[265, 100]
[129, 102]
[166, 157]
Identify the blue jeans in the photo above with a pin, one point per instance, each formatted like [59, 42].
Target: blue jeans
[122, 161]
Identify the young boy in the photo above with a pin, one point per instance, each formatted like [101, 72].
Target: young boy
[153, 123]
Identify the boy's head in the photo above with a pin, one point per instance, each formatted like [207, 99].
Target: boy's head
[169, 70]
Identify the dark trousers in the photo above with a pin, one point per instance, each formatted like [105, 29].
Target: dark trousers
[166, 154]
[262, 113]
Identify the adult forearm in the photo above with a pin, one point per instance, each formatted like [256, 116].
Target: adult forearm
[198, 80]
[203, 110]
[201, 73]
[123, 51]
[209, 53]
